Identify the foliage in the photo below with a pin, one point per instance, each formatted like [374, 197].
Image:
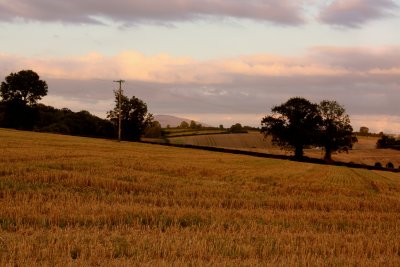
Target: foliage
[44, 118]
[154, 130]
[194, 125]
[387, 141]
[134, 116]
[364, 130]
[390, 165]
[237, 128]
[16, 114]
[184, 125]
[293, 125]
[23, 87]
[336, 133]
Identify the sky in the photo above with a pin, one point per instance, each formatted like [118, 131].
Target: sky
[214, 61]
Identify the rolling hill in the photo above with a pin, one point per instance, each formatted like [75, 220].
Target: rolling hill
[173, 121]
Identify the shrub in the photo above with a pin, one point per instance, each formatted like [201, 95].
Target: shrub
[390, 165]
[378, 164]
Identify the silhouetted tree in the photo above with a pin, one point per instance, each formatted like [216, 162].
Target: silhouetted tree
[135, 118]
[293, 125]
[154, 130]
[364, 130]
[386, 142]
[24, 86]
[184, 125]
[237, 128]
[390, 165]
[19, 93]
[336, 133]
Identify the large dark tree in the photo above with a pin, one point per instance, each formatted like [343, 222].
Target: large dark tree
[19, 94]
[336, 133]
[293, 125]
[24, 86]
[135, 118]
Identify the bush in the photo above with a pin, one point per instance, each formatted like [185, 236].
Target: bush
[390, 165]
[378, 164]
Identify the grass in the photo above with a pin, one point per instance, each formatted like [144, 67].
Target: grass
[79, 201]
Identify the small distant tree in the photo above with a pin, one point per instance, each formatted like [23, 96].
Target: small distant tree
[336, 133]
[193, 125]
[237, 128]
[135, 118]
[184, 125]
[154, 130]
[386, 142]
[293, 125]
[378, 164]
[221, 126]
[364, 130]
[390, 165]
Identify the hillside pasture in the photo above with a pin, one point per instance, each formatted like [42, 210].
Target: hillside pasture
[75, 201]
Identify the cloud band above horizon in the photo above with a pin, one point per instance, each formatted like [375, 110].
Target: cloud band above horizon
[347, 13]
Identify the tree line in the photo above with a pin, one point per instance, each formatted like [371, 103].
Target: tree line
[293, 125]
[19, 109]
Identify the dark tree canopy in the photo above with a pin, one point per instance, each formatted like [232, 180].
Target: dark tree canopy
[293, 125]
[24, 87]
[336, 133]
[135, 118]
[387, 141]
[184, 125]
[237, 128]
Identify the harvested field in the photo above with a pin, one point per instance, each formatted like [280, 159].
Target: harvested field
[80, 202]
[363, 152]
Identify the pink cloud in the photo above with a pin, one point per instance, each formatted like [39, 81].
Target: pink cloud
[363, 79]
[354, 13]
[137, 11]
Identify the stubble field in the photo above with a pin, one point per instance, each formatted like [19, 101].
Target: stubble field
[80, 201]
[363, 152]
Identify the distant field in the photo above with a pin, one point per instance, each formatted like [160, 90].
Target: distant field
[74, 201]
[363, 152]
[188, 132]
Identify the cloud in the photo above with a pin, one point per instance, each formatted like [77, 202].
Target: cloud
[355, 13]
[363, 79]
[285, 12]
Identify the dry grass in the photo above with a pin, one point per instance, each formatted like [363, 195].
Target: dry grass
[80, 201]
[364, 151]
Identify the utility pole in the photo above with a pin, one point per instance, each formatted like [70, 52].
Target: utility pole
[119, 108]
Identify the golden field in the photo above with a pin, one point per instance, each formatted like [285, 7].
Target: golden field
[72, 201]
[364, 151]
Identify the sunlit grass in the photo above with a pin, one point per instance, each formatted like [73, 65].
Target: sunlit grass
[80, 201]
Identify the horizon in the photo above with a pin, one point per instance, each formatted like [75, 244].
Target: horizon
[216, 62]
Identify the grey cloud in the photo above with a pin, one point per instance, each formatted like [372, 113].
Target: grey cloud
[357, 58]
[361, 91]
[354, 13]
[139, 11]
[360, 95]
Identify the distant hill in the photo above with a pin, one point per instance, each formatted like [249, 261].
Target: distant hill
[173, 121]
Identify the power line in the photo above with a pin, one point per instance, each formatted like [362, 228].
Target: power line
[119, 108]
